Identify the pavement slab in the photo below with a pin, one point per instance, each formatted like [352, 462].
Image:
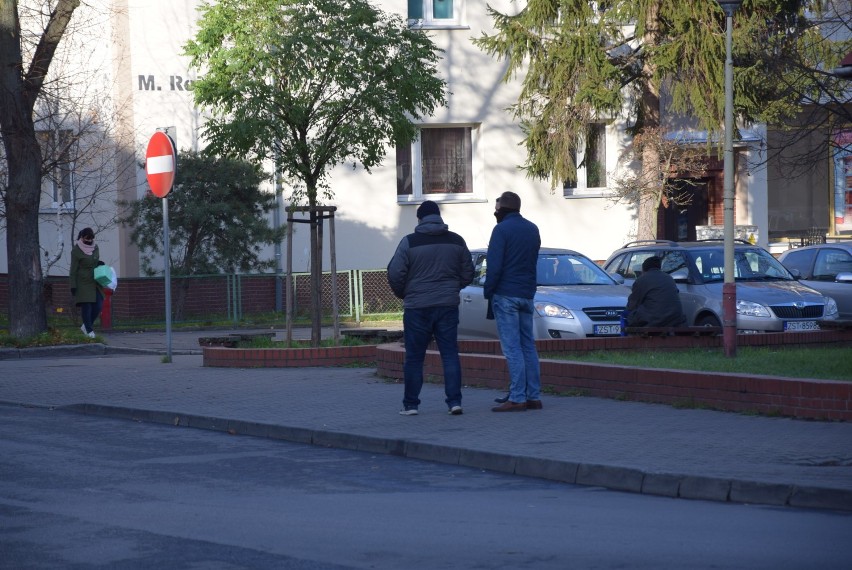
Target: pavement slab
[628, 446]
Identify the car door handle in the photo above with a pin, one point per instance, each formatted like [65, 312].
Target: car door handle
[467, 299]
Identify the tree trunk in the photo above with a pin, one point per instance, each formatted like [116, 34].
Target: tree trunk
[316, 281]
[27, 309]
[651, 177]
[181, 294]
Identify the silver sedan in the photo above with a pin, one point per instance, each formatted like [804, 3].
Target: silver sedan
[575, 298]
[827, 268]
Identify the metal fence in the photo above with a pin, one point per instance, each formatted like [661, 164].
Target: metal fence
[360, 293]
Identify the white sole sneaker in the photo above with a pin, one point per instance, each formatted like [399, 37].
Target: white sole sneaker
[83, 328]
[91, 334]
[411, 412]
[456, 411]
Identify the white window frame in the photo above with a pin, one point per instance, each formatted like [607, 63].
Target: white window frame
[64, 172]
[417, 195]
[428, 22]
[581, 189]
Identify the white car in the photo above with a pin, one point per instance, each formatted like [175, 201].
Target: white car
[575, 298]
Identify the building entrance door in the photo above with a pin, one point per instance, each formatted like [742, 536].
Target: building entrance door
[677, 221]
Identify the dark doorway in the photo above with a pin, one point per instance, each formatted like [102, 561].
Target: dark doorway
[677, 221]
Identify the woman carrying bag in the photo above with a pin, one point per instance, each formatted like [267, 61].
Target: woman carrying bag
[87, 293]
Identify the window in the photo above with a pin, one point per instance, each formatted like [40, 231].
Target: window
[57, 180]
[439, 165]
[479, 269]
[830, 262]
[591, 164]
[436, 13]
[800, 261]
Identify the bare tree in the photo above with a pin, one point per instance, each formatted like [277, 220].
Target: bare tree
[681, 161]
[81, 164]
[20, 85]
[824, 98]
[60, 145]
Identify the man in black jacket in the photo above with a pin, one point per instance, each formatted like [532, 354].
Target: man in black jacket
[655, 299]
[427, 272]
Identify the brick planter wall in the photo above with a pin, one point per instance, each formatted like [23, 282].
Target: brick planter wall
[287, 357]
[483, 365]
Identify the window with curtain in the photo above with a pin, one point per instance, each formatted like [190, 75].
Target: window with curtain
[440, 162]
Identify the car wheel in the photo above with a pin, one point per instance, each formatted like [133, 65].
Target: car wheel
[708, 321]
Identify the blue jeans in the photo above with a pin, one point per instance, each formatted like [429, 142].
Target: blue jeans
[514, 316]
[419, 326]
[90, 312]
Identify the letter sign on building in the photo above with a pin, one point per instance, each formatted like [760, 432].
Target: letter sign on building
[160, 164]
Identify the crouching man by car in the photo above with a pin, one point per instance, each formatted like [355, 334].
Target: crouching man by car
[655, 299]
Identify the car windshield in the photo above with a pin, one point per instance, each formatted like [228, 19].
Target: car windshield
[566, 269]
[749, 265]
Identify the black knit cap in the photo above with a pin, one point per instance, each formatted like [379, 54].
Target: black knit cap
[510, 201]
[427, 208]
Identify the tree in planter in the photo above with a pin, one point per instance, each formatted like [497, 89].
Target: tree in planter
[586, 62]
[310, 85]
[217, 220]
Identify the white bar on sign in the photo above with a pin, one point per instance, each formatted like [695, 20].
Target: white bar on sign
[160, 164]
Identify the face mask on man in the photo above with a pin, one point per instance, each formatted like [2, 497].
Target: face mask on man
[500, 213]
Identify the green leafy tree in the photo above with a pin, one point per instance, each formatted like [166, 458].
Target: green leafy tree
[24, 66]
[217, 220]
[312, 85]
[591, 61]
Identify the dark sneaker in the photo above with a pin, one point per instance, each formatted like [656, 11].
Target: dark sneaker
[502, 399]
[511, 407]
[534, 404]
[408, 412]
[456, 410]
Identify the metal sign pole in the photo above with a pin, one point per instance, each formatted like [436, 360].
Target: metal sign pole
[168, 278]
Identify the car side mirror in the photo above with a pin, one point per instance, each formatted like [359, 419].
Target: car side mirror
[844, 278]
[796, 273]
[681, 275]
[618, 278]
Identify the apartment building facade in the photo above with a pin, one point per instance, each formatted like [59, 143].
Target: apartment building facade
[468, 153]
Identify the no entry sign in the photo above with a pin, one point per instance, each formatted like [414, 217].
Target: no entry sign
[160, 164]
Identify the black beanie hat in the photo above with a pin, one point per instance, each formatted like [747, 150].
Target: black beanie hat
[427, 208]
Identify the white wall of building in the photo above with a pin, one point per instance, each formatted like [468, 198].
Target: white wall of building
[150, 75]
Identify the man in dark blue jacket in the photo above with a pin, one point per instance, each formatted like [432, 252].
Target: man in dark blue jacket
[427, 272]
[510, 285]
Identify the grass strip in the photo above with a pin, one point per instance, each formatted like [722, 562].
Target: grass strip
[824, 363]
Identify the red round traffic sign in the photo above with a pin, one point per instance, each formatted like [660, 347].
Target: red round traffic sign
[160, 165]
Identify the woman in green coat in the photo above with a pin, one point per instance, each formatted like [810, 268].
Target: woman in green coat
[88, 295]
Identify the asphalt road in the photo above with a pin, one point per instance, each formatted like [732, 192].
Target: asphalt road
[84, 492]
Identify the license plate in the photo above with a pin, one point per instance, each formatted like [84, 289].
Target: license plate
[607, 329]
[801, 326]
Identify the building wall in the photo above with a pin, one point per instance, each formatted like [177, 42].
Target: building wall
[150, 84]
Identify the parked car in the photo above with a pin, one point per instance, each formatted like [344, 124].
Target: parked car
[769, 298]
[825, 267]
[575, 298]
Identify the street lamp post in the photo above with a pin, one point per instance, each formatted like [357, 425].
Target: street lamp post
[729, 287]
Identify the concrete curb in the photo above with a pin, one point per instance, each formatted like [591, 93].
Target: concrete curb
[92, 349]
[608, 476]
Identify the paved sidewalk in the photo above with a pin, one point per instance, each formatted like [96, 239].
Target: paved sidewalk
[628, 446]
